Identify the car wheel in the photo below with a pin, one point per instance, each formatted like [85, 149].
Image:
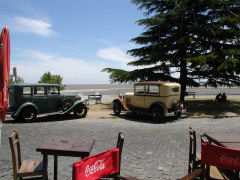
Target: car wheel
[28, 114]
[157, 113]
[67, 104]
[80, 110]
[117, 108]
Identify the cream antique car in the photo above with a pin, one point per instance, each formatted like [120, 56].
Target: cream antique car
[159, 99]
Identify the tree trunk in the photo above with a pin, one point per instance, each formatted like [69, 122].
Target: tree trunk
[183, 78]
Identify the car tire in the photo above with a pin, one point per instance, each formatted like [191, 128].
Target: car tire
[80, 110]
[66, 104]
[28, 114]
[117, 108]
[157, 113]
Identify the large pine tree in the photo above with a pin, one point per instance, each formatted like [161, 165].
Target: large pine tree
[186, 41]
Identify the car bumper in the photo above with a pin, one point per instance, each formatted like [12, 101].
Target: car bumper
[172, 114]
[183, 111]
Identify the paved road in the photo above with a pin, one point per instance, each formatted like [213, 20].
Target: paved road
[151, 151]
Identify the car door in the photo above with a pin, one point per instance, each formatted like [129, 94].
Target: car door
[39, 98]
[53, 99]
[152, 95]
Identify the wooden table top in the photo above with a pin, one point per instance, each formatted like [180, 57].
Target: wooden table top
[67, 146]
[225, 139]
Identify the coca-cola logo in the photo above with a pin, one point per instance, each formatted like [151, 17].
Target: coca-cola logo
[97, 166]
[230, 160]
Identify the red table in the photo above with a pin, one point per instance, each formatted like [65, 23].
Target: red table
[64, 146]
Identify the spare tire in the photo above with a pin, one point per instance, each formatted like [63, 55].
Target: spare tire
[66, 104]
[117, 108]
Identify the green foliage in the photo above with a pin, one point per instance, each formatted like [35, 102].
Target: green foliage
[12, 81]
[197, 39]
[51, 79]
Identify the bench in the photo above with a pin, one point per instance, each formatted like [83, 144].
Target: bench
[191, 94]
[96, 97]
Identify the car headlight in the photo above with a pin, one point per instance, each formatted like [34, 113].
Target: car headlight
[121, 96]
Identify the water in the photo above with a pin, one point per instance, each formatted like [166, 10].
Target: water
[116, 89]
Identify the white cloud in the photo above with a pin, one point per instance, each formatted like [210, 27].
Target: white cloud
[72, 70]
[114, 54]
[27, 25]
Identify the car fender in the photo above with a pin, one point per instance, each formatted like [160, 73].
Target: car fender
[73, 106]
[121, 101]
[27, 104]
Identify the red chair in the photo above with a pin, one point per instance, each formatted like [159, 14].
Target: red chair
[223, 158]
[98, 166]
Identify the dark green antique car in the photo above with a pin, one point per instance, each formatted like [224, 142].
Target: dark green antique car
[26, 101]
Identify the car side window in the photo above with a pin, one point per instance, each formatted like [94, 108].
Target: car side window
[38, 91]
[152, 89]
[139, 89]
[26, 90]
[53, 90]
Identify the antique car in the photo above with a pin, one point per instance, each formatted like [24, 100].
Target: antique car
[26, 101]
[159, 99]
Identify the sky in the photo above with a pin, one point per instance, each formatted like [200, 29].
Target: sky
[75, 39]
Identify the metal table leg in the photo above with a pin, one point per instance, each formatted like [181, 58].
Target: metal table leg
[55, 166]
[45, 166]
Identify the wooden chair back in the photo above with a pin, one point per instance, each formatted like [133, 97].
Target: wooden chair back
[16, 157]
[120, 142]
[192, 150]
[23, 168]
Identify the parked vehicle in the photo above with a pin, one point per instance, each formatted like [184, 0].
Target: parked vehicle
[26, 101]
[159, 99]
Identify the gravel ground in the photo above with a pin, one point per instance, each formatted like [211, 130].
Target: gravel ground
[151, 150]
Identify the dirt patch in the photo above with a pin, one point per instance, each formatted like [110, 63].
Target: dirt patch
[101, 111]
[206, 108]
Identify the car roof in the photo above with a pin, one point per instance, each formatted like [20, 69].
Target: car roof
[151, 83]
[33, 85]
